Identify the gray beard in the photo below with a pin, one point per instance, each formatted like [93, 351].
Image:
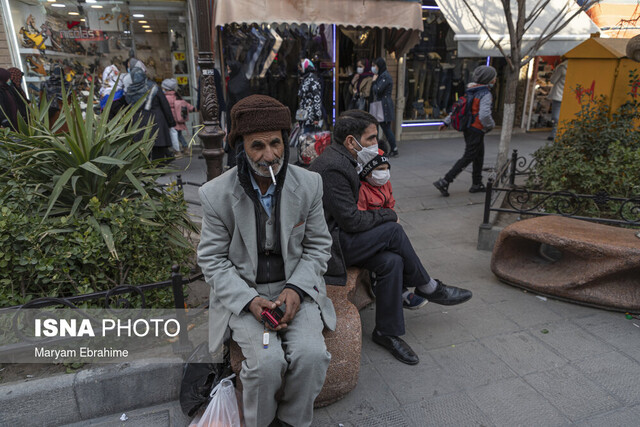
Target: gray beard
[255, 167]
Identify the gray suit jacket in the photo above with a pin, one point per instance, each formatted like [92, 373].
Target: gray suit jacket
[228, 253]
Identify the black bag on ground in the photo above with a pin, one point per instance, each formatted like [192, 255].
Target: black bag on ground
[199, 378]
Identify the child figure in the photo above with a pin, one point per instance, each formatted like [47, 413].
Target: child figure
[376, 193]
[180, 109]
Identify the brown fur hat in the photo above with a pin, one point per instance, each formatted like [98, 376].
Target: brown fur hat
[257, 113]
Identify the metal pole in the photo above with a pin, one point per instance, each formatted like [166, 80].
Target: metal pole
[512, 174]
[487, 203]
[212, 135]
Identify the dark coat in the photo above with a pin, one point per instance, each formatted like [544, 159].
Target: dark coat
[160, 113]
[381, 90]
[341, 187]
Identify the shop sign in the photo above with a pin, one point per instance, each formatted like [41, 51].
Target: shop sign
[84, 34]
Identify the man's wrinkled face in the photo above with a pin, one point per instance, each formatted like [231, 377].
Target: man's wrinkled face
[264, 149]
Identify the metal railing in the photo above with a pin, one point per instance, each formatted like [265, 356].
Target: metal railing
[523, 201]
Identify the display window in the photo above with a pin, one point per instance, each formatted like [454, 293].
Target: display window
[85, 37]
[268, 57]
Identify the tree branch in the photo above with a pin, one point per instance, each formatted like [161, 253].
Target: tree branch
[535, 12]
[557, 28]
[496, 44]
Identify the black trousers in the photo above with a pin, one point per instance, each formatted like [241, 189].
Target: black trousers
[473, 152]
[387, 251]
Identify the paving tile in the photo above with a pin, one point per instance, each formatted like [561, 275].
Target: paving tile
[513, 402]
[572, 392]
[370, 397]
[455, 410]
[623, 417]
[411, 384]
[438, 328]
[612, 327]
[523, 353]
[471, 364]
[526, 310]
[395, 418]
[486, 321]
[321, 417]
[617, 373]
[570, 340]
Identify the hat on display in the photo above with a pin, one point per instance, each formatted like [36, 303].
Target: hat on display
[257, 113]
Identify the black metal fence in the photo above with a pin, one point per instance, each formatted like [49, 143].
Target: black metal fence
[523, 201]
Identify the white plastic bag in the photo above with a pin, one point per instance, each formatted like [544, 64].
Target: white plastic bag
[175, 143]
[222, 410]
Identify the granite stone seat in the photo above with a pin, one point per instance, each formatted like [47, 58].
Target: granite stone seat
[344, 344]
[579, 261]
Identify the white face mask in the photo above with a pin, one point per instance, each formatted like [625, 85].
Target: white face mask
[360, 70]
[379, 177]
[366, 154]
[374, 69]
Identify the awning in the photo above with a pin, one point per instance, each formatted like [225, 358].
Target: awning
[474, 42]
[617, 18]
[400, 15]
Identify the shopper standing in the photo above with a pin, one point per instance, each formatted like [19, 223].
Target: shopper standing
[21, 97]
[360, 87]
[8, 105]
[310, 96]
[155, 107]
[382, 87]
[180, 109]
[555, 95]
[479, 95]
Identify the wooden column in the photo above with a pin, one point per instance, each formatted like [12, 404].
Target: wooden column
[212, 135]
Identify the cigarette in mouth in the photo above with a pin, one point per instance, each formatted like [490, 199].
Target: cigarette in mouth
[273, 177]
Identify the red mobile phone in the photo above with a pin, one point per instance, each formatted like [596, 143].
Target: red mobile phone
[272, 317]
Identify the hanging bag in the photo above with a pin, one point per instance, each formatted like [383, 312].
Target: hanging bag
[377, 111]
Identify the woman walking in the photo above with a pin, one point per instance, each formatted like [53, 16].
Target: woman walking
[360, 87]
[156, 107]
[382, 87]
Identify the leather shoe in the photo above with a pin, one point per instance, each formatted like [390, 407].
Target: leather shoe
[446, 295]
[397, 347]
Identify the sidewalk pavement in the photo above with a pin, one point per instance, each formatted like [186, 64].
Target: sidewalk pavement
[506, 357]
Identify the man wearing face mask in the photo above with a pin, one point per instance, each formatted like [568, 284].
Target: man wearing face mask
[372, 239]
[265, 244]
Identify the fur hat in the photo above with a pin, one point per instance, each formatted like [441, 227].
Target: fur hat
[257, 113]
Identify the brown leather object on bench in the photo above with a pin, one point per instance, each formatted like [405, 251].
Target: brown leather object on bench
[344, 344]
[570, 259]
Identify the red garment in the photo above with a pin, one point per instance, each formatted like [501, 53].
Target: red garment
[176, 109]
[373, 198]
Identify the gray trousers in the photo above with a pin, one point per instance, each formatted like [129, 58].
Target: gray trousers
[296, 358]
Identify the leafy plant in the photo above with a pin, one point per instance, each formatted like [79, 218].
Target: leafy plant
[598, 151]
[61, 166]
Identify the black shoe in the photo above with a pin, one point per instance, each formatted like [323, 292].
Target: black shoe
[446, 295]
[397, 347]
[394, 153]
[477, 188]
[443, 186]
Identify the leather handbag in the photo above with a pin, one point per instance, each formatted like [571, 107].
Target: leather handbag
[377, 111]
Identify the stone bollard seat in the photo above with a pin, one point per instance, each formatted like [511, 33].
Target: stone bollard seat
[344, 344]
[570, 259]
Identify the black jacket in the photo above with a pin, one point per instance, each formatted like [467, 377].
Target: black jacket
[160, 113]
[341, 186]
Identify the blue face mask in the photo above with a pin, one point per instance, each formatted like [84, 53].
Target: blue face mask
[490, 85]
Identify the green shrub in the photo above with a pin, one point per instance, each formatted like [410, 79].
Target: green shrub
[61, 257]
[595, 153]
[81, 210]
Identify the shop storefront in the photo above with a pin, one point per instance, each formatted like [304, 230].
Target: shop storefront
[269, 42]
[84, 37]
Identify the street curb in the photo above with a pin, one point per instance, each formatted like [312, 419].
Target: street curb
[90, 394]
